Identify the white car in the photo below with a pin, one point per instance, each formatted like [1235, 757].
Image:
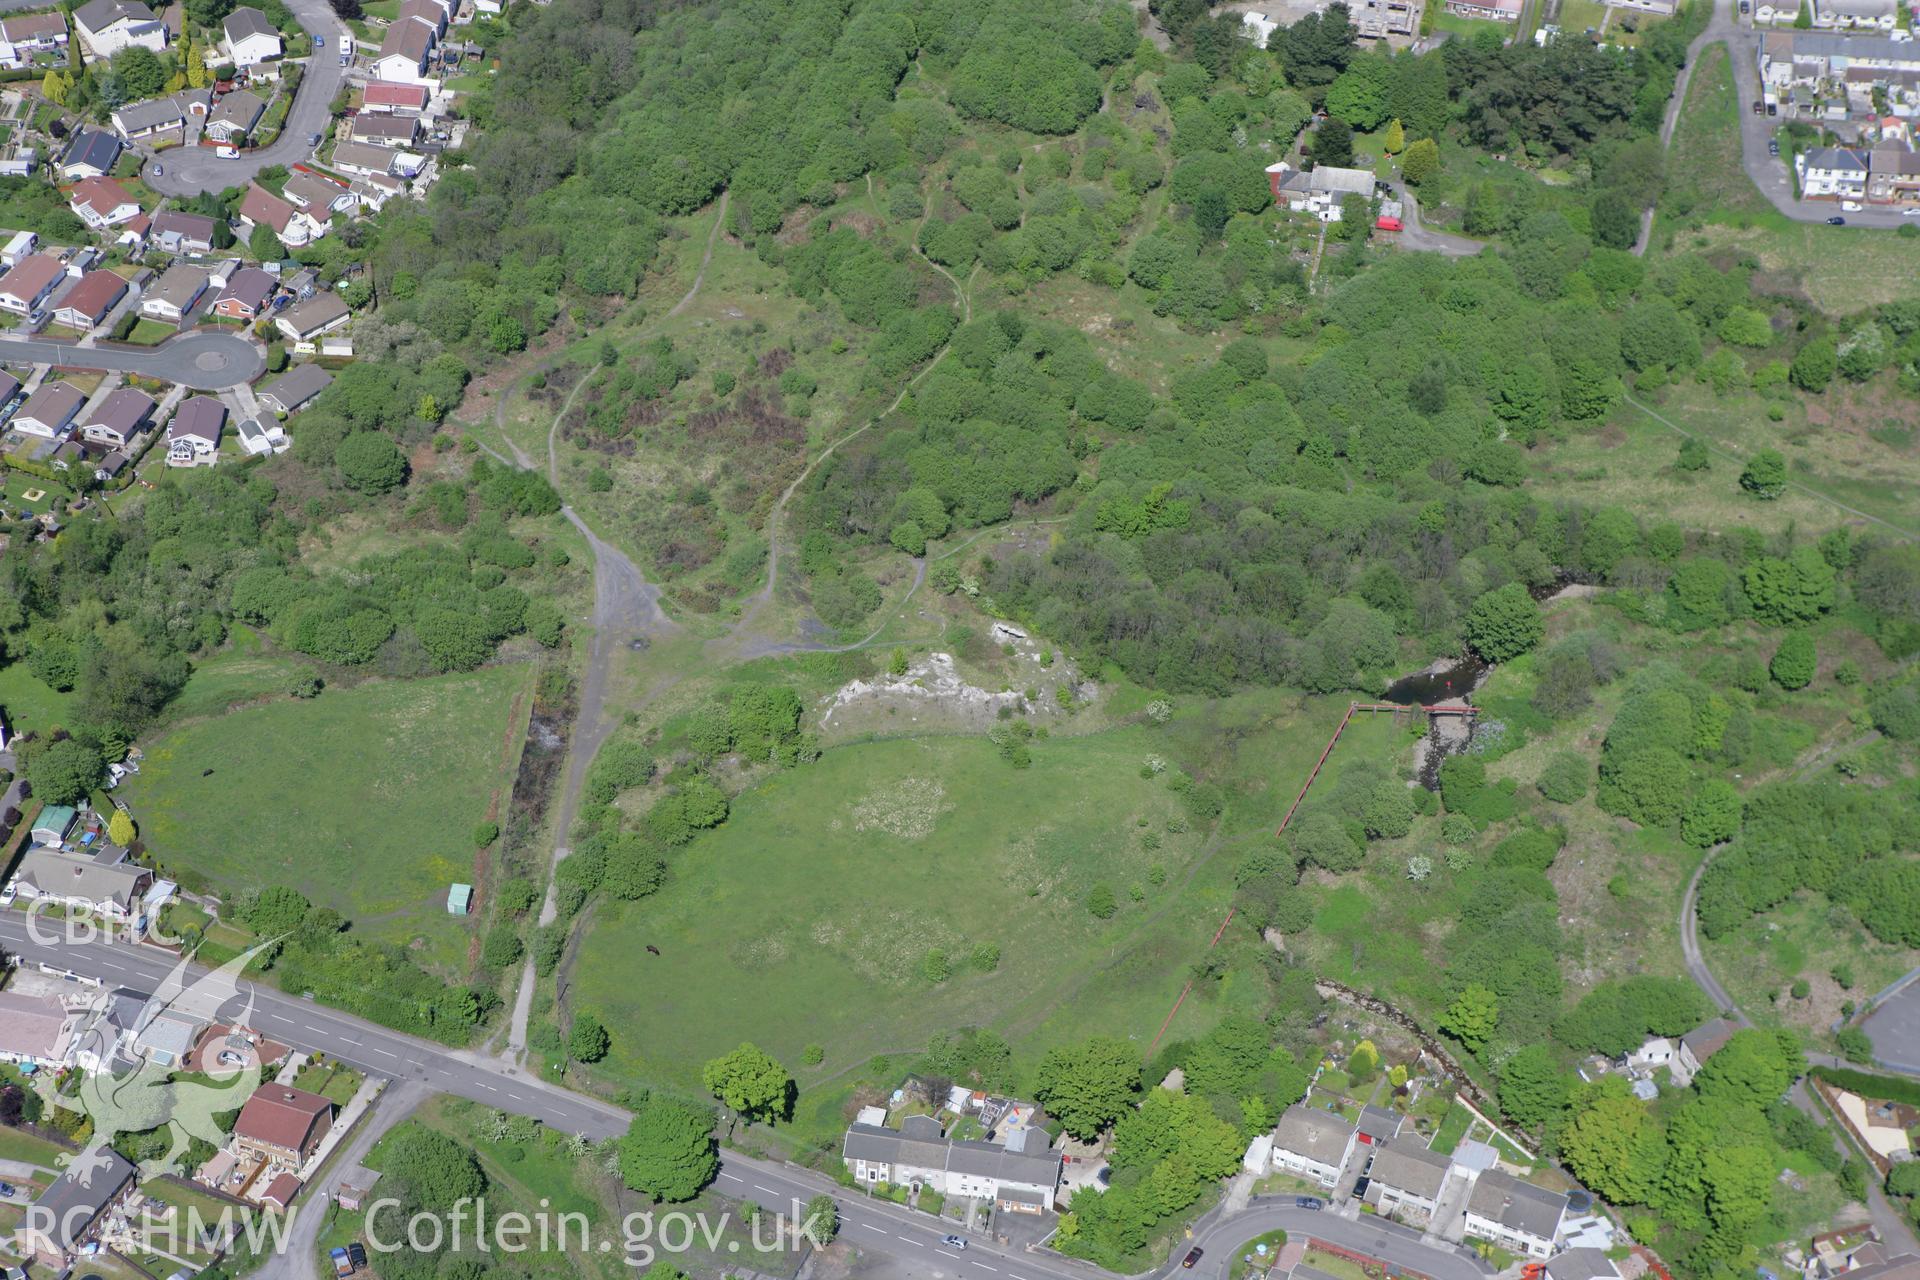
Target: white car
[346, 44]
[227, 152]
[1910, 213]
[1851, 206]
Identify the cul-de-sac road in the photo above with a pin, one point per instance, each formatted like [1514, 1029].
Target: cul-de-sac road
[204, 360]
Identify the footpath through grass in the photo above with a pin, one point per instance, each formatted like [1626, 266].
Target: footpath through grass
[363, 799]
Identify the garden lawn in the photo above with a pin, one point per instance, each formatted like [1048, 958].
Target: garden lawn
[363, 799]
[30, 705]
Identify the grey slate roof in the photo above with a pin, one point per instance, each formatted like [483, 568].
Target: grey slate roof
[1517, 1205]
[1320, 1136]
[1708, 1038]
[122, 411]
[198, 418]
[95, 147]
[921, 1146]
[317, 312]
[1582, 1264]
[1840, 158]
[246, 21]
[154, 113]
[64, 876]
[1378, 1123]
[1406, 1165]
[77, 1196]
[297, 386]
[98, 15]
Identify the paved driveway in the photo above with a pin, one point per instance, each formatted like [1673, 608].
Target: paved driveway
[206, 360]
[189, 171]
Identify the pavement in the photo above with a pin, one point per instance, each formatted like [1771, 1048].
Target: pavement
[189, 171]
[205, 360]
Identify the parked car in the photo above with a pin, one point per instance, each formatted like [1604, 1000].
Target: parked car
[159, 169]
[1759, 107]
[342, 1264]
[8, 1189]
[1193, 1256]
[227, 152]
[231, 1059]
[1851, 206]
[1308, 1202]
[1773, 108]
[319, 41]
[1836, 222]
[357, 1254]
[314, 141]
[1910, 213]
[953, 1242]
[346, 44]
[1773, 146]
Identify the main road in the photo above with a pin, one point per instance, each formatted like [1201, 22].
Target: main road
[909, 1238]
[189, 171]
[205, 359]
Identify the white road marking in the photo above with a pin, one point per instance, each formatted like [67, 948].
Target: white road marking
[727, 1177]
[984, 1267]
[910, 1240]
[769, 1190]
[869, 1226]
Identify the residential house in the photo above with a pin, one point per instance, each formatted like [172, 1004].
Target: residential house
[50, 411]
[403, 53]
[1515, 1215]
[1258, 27]
[27, 286]
[1792, 59]
[1319, 191]
[246, 293]
[1377, 1125]
[234, 116]
[362, 159]
[305, 321]
[108, 469]
[21, 244]
[67, 1217]
[1405, 1179]
[373, 190]
[102, 202]
[193, 437]
[294, 227]
[1659, 8]
[384, 130]
[292, 390]
[427, 13]
[1582, 1264]
[281, 1125]
[280, 1192]
[90, 301]
[260, 438]
[1831, 173]
[175, 232]
[384, 97]
[1697, 1046]
[165, 1032]
[1893, 175]
[1491, 10]
[114, 1020]
[36, 1030]
[9, 388]
[221, 273]
[52, 824]
[26, 35]
[1657, 1052]
[90, 153]
[119, 418]
[155, 116]
[67, 455]
[1312, 1143]
[319, 197]
[1019, 1175]
[108, 26]
[172, 296]
[251, 39]
[82, 882]
[1855, 15]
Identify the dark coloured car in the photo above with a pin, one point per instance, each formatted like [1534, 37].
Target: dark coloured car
[1759, 107]
[1773, 146]
[1836, 221]
[1773, 108]
[357, 1254]
[1308, 1202]
[1193, 1256]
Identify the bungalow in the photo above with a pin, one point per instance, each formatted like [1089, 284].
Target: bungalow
[305, 321]
[50, 411]
[234, 116]
[155, 116]
[281, 1125]
[175, 232]
[91, 153]
[18, 247]
[36, 1030]
[1515, 1215]
[67, 1217]
[108, 26]
[171, 296]
[246, 293]
[290, 392]
[251, 39]
[384, 130]
[260, 438]
[1312, 1143]
[382, 97]
[119, 418]
[102, 203]
[1491, 10]
[318, 196]
[28, 34]
[193, 437]
[1405, 1179]
[403, 54]
[90, 301]
[261, 208]
[1018, 1175]
[26, 286]
[83, 883]
[364, 160]
[1697, 1046]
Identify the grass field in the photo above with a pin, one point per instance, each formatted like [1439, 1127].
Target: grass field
[363, 799]
[30, 705]
[1811, 939]
[807, 917]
